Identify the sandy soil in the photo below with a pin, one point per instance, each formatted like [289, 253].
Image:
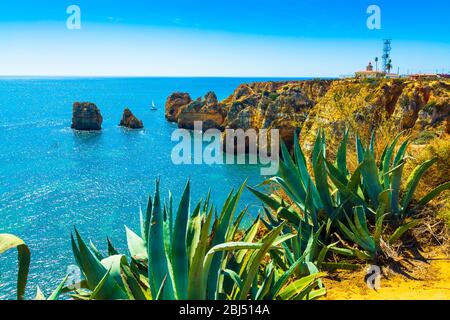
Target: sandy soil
[428, 280]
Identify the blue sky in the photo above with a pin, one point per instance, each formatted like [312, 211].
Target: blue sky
[219, 38]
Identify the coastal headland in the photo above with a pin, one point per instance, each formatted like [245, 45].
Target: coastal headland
[357, 104]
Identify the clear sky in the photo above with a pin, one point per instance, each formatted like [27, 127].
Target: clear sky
[220, 37]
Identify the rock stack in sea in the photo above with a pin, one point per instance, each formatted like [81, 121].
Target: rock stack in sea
[86, 117]
[130, 121]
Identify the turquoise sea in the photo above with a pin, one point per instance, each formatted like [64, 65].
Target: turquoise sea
[52, 178]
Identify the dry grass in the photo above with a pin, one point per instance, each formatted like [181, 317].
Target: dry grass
[438, 174]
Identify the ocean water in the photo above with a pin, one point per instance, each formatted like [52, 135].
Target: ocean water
[52, 178]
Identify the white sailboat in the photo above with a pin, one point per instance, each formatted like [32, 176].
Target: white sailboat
[153, 107]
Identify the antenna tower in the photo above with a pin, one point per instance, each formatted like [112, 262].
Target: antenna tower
[386, 53]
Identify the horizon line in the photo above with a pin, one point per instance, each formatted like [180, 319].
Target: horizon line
[159, 76]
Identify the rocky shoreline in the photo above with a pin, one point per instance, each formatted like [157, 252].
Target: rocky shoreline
[288, 105]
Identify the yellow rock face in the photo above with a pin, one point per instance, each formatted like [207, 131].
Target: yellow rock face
[359, 105]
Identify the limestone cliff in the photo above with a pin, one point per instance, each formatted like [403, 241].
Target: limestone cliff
[399, 104]
[334, 104]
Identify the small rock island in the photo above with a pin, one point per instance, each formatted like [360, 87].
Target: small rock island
[86, 117]
[130, 121]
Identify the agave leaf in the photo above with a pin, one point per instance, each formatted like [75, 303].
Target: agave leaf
[347, 193]
[196, 285]
[285, 277]
[341, 157]
[332, 266]
[272, 219]
[180, 260]
[235, 228]
[372, 143]
[265, 286]
[315, 294]
[269, 201]
[291, 175]
[256, 261]
[319, 146]
[158, 264]
[134, 289]
[98, 288]
[95, 271]
[95, 251]
[355, 179]
[300, 286]
[311, 246]
[111, 250]
[7, 242]
[413, 182]
[402, 230]
[234, 276]
[433, 194]
[225, 221]
[359, 150]
[250, 235]
[342, 251]
[323, 253]
[336, 173]
[224, 247]
[361, 225]
[371, 178]
[401, 152]
[289, 215]
[383, 155]
[347, 232]
[321, 177]
[114, 264]
[160, 294]
[300, 160]
[39, 295]
[397, 174]
[145, 226]
[380, 216]
[387, 160]
[194, 231]
[136, 245]
[58, 291]
[361, 231]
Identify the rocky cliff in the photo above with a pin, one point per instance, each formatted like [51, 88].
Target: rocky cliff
[333, 104]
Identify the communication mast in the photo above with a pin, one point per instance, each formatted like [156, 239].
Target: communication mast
[386, 53]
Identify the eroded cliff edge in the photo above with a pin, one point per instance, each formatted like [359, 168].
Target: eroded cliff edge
[332, 104]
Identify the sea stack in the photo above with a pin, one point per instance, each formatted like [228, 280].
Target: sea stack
[86, 117]
[130, 121]
[176, 102]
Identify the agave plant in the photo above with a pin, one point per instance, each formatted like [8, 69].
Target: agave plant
[346, 202]
[7, 242]
[190, 256]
